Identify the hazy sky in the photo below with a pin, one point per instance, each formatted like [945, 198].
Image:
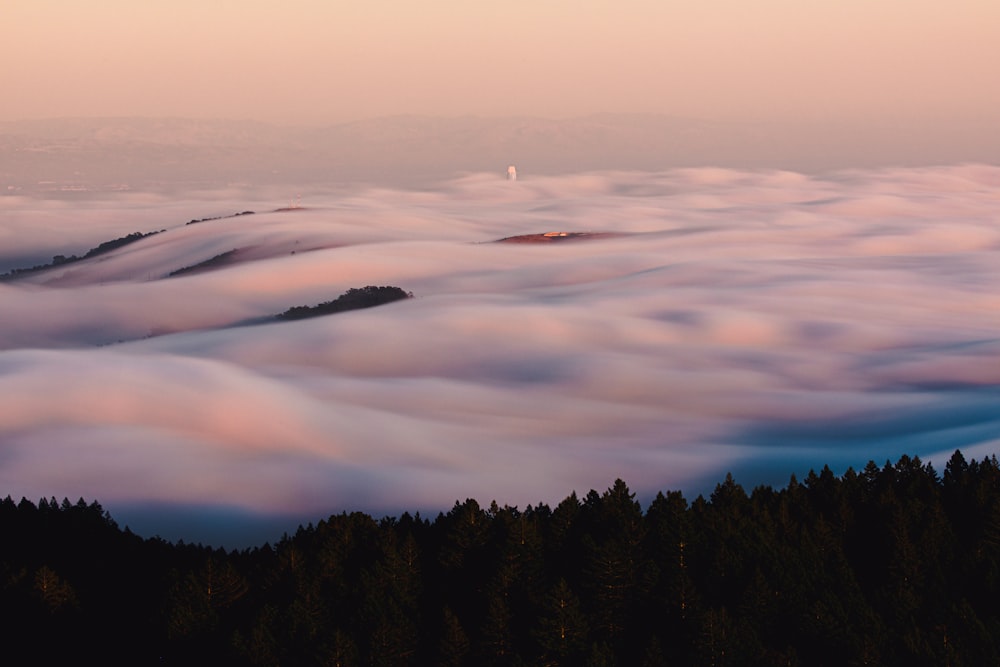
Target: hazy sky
[320, 61]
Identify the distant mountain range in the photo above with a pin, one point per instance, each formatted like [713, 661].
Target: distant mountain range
[77, 154]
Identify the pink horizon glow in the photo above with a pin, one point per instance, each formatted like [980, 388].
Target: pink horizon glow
[318, 62]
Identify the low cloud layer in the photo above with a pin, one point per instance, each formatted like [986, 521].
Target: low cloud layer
[755, 322]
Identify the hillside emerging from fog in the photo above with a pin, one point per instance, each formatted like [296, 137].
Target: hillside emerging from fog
[108, 154]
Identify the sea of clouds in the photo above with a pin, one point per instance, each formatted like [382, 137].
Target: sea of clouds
[758, 322]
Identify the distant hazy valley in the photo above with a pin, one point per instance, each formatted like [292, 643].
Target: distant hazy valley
[60, 157]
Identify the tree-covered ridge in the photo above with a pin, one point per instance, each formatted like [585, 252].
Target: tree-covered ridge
[196, 221]
[59, 260]
[213, 262]
[107, 246]
[352, 299]
[895, 565]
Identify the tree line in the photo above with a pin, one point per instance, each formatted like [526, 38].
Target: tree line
[893, 565]
[353, 299]
[106, 246]
[58, 260]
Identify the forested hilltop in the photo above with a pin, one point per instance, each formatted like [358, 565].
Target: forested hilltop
[895, 565]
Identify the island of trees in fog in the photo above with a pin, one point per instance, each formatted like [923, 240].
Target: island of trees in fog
[893, 565]
[352, 299]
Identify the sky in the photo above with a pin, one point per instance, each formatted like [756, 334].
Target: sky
[758, 322]
[321, 61]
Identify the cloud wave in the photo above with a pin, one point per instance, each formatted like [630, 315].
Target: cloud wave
[760, 322]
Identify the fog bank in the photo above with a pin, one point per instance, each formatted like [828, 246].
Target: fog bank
[759, 322]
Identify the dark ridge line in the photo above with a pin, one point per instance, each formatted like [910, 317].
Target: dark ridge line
[217, 217]
[220, 260]
[369, 296]
[353, 299]
[107, 246]
[62, 260]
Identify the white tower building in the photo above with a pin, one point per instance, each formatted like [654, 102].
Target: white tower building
[511, 173]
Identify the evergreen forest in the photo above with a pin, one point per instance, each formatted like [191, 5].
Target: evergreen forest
[353, 299]
[892, 565]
